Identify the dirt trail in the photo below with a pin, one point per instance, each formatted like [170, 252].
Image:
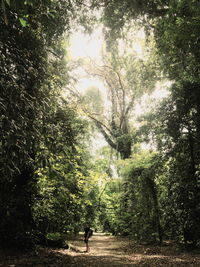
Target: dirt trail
[105, 251]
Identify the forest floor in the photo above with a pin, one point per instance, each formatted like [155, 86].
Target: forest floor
[105, 251]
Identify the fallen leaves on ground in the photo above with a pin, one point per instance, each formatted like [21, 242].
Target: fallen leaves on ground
[105, 251]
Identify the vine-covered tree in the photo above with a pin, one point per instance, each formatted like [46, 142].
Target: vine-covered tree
[126, 78]
[176, 133]
[31, 59]
[61, 172]
[175, 26]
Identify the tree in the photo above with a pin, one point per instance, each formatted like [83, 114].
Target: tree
[175, 131]
[141, 217]
[61, 172]
[30, 38]
[176, 29]
[22, 72]
[102, 174]
[126, 78]
[116, 14]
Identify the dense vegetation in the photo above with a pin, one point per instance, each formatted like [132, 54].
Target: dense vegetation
[42, 158]
[50, 180]
[166, 202]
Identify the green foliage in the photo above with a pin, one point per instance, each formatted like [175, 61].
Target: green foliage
[32, 74]
[130, 204]
[93, 100]
[140, 209]
[48, 181]
[175, 126]
[177, 37]
[126, 78]
[118, 14]
[109, 211]
[22, 69]
[60, 173]
[99, 206]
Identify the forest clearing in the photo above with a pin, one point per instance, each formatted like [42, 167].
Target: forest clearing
[99, 129]
[106, 251]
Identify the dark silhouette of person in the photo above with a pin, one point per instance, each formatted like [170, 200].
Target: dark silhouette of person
[87, 234]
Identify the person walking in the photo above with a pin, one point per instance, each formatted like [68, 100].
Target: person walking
[88, 232]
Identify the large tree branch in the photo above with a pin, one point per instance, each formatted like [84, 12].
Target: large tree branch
[101, 127]
[106, 136]
[97, 121]
[121, 86]
[122, 102]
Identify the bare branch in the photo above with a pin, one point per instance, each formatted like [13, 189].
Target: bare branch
[100, 123]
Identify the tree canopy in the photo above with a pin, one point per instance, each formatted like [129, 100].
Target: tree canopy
[51, 180]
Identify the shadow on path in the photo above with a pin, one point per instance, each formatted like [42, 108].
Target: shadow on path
[110, 251]
[106, 251]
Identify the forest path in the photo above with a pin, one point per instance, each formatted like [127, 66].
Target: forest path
[105, 251]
